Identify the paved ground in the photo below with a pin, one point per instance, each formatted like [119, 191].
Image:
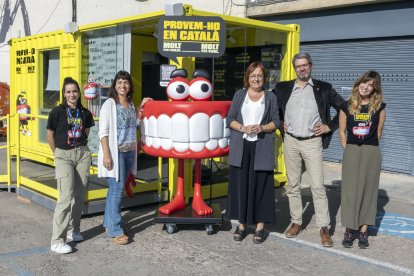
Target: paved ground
[25, 230]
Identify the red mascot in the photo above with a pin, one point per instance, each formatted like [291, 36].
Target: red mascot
[90, 91]
[186, 129]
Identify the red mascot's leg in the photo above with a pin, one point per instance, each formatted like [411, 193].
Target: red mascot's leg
[178, 201]
[199, 206]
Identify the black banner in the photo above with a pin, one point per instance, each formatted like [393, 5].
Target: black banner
[195, 36]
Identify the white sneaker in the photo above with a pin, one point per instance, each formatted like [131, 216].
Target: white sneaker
[73, 236]
[61, 248]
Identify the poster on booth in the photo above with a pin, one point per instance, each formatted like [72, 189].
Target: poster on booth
[195, 36]
[165, 73]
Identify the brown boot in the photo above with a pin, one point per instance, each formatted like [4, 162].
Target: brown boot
[326, 237]
[293, 231]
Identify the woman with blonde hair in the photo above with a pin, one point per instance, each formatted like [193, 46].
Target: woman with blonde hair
[361, 121]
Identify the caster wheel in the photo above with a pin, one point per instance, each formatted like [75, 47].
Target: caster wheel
[170, 228]
[209, 229]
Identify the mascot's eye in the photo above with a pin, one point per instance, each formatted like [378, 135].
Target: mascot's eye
[201, 89]
[178, 91]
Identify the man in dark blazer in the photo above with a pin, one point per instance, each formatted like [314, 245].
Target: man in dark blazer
[304, 109]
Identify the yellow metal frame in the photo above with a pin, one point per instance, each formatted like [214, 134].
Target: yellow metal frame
[91, 195]
[69, 45]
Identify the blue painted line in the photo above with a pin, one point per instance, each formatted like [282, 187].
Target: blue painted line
[9, 259]
[395, 225]
[380, 266]
[39, 250]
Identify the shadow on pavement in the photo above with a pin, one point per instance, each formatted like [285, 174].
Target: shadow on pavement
[139, 218]
[383, 200]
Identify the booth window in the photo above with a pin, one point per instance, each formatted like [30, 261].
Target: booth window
[104, 52]
[51, 80]
[244, 45]
[50, 87]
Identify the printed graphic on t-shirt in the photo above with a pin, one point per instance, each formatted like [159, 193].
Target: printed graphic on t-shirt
[364, 125]
[362, 117]
[72, 121]
[126, 128]
[74, 134]
[75, 128]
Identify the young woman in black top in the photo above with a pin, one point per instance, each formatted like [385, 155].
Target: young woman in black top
[361, 121]
[68, 128]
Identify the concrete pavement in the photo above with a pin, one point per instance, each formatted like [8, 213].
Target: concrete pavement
[25, 230]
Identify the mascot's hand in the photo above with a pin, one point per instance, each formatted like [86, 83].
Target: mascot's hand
[129, 183]
[141, 107]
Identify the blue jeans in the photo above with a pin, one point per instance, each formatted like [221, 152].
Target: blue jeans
[112, 217]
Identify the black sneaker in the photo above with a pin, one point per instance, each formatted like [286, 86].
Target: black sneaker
[363, 240]
[349, 237]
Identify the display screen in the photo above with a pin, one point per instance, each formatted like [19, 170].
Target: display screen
[228, 70]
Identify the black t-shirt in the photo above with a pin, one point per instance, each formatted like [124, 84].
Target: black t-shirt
[69, 126]
[362, 127]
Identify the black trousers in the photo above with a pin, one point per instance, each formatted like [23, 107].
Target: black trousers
[251, 196]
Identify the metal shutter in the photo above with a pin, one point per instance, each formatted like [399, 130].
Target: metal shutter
[340, 63]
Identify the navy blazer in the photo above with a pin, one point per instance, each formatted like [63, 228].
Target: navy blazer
[325, 96]
[265, 150]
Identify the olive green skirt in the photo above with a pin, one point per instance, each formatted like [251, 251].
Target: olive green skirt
[361, 167]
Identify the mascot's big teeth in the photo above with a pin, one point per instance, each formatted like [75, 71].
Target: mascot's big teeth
[180, 128]
[186, 130]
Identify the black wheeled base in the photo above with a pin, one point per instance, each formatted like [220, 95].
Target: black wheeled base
[188, 216]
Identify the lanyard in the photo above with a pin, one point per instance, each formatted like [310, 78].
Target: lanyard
[75, 127]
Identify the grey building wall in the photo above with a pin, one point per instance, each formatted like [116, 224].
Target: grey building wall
[348, 41]
[369, 21]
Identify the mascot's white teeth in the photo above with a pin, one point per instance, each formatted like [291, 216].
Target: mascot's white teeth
[182, 133]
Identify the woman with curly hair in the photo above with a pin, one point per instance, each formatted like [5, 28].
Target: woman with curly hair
[117, 156]
[361, 121]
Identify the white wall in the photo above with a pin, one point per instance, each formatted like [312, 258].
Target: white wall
[50, 15]
[101, 10]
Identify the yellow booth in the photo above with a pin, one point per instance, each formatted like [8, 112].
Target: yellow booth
[92, 54]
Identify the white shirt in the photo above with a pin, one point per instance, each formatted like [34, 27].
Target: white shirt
[252, 113]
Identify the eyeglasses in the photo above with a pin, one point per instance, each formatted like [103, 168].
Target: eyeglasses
[306, 65]
[253, 77]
